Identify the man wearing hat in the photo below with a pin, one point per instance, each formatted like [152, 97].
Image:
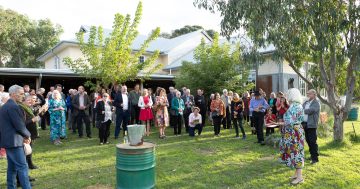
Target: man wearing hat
[258, 106]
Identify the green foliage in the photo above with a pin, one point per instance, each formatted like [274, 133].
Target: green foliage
[187, 29]
[217, 67]
[324, 32]
[184, 30]
[22, 40]
[112, 60]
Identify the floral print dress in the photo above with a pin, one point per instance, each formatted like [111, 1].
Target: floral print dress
[57, 119]
[292, 142]
[162, 115]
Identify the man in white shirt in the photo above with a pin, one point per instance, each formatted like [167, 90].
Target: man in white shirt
[195, 122]
[122, 104]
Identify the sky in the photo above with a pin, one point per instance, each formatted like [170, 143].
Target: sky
[71, 14]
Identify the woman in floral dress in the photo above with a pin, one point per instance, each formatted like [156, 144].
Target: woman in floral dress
[162, 115]
[292, 142]
[57, 110]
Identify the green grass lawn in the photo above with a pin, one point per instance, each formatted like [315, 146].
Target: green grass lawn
[200, 162]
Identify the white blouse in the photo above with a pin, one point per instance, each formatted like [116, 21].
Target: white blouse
[192, 118]
[108, 112]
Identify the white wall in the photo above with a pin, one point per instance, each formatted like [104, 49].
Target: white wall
[268, 67]
[74, 52]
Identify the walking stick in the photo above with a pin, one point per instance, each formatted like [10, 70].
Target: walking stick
[354, 129]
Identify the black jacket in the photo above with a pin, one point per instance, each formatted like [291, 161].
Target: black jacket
[12, 127]
[41, 99]
[200, 102]
[119, 100]
[238, 107]
[30, 125]
[76, 104]
[100, 107]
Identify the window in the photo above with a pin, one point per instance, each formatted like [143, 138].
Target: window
[302, 87]
[57, 62]
[302, 83]
[141, 59]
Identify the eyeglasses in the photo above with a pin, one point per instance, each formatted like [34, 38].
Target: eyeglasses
[105, 96]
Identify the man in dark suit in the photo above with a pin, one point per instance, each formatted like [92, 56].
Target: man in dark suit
[122, 102]
[13, 135]
[81, 104]
[189, 103]
[201, 103]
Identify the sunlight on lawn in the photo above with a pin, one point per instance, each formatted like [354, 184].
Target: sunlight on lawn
[200, 162]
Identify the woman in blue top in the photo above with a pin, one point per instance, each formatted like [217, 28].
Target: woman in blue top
[57, 110]
[177, 104]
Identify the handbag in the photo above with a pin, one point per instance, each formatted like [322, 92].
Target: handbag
[172, 112]
[27, 149]
[215, 113]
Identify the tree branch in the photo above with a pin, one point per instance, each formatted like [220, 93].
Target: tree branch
[291, 64]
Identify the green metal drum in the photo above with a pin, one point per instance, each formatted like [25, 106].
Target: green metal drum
[353, 114]
[135, 166]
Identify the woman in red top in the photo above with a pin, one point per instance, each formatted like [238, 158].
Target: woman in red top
[146, 115]
[282, 107]
[270, 119]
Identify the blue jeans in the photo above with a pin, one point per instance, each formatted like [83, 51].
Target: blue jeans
[17, 165]
[122, 117]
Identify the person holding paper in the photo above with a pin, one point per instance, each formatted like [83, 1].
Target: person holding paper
[195, 122]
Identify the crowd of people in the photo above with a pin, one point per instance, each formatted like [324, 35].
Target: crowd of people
[178, 109]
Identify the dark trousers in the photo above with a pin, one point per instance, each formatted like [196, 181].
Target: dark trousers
[187, 113]
[203, 116]
[258, 118]
[122, 118]
[311, 138]
[252, 125]
[192, 130]
[227, 120]
[104, 131]
[217, 124]
[82, 117]
[236, 121]
[43, 122]
[17, 166]
[93, 115]
[177, 120]
[269, 131]
[73, 121]
[47, 117]
[246, 118]
[135, 113]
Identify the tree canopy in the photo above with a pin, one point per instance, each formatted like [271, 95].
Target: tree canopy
[111, 59]
[218, 66]
[186, 29]
[22, 40]
[324, 32]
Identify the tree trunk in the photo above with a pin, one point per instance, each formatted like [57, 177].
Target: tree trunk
[339, 126]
